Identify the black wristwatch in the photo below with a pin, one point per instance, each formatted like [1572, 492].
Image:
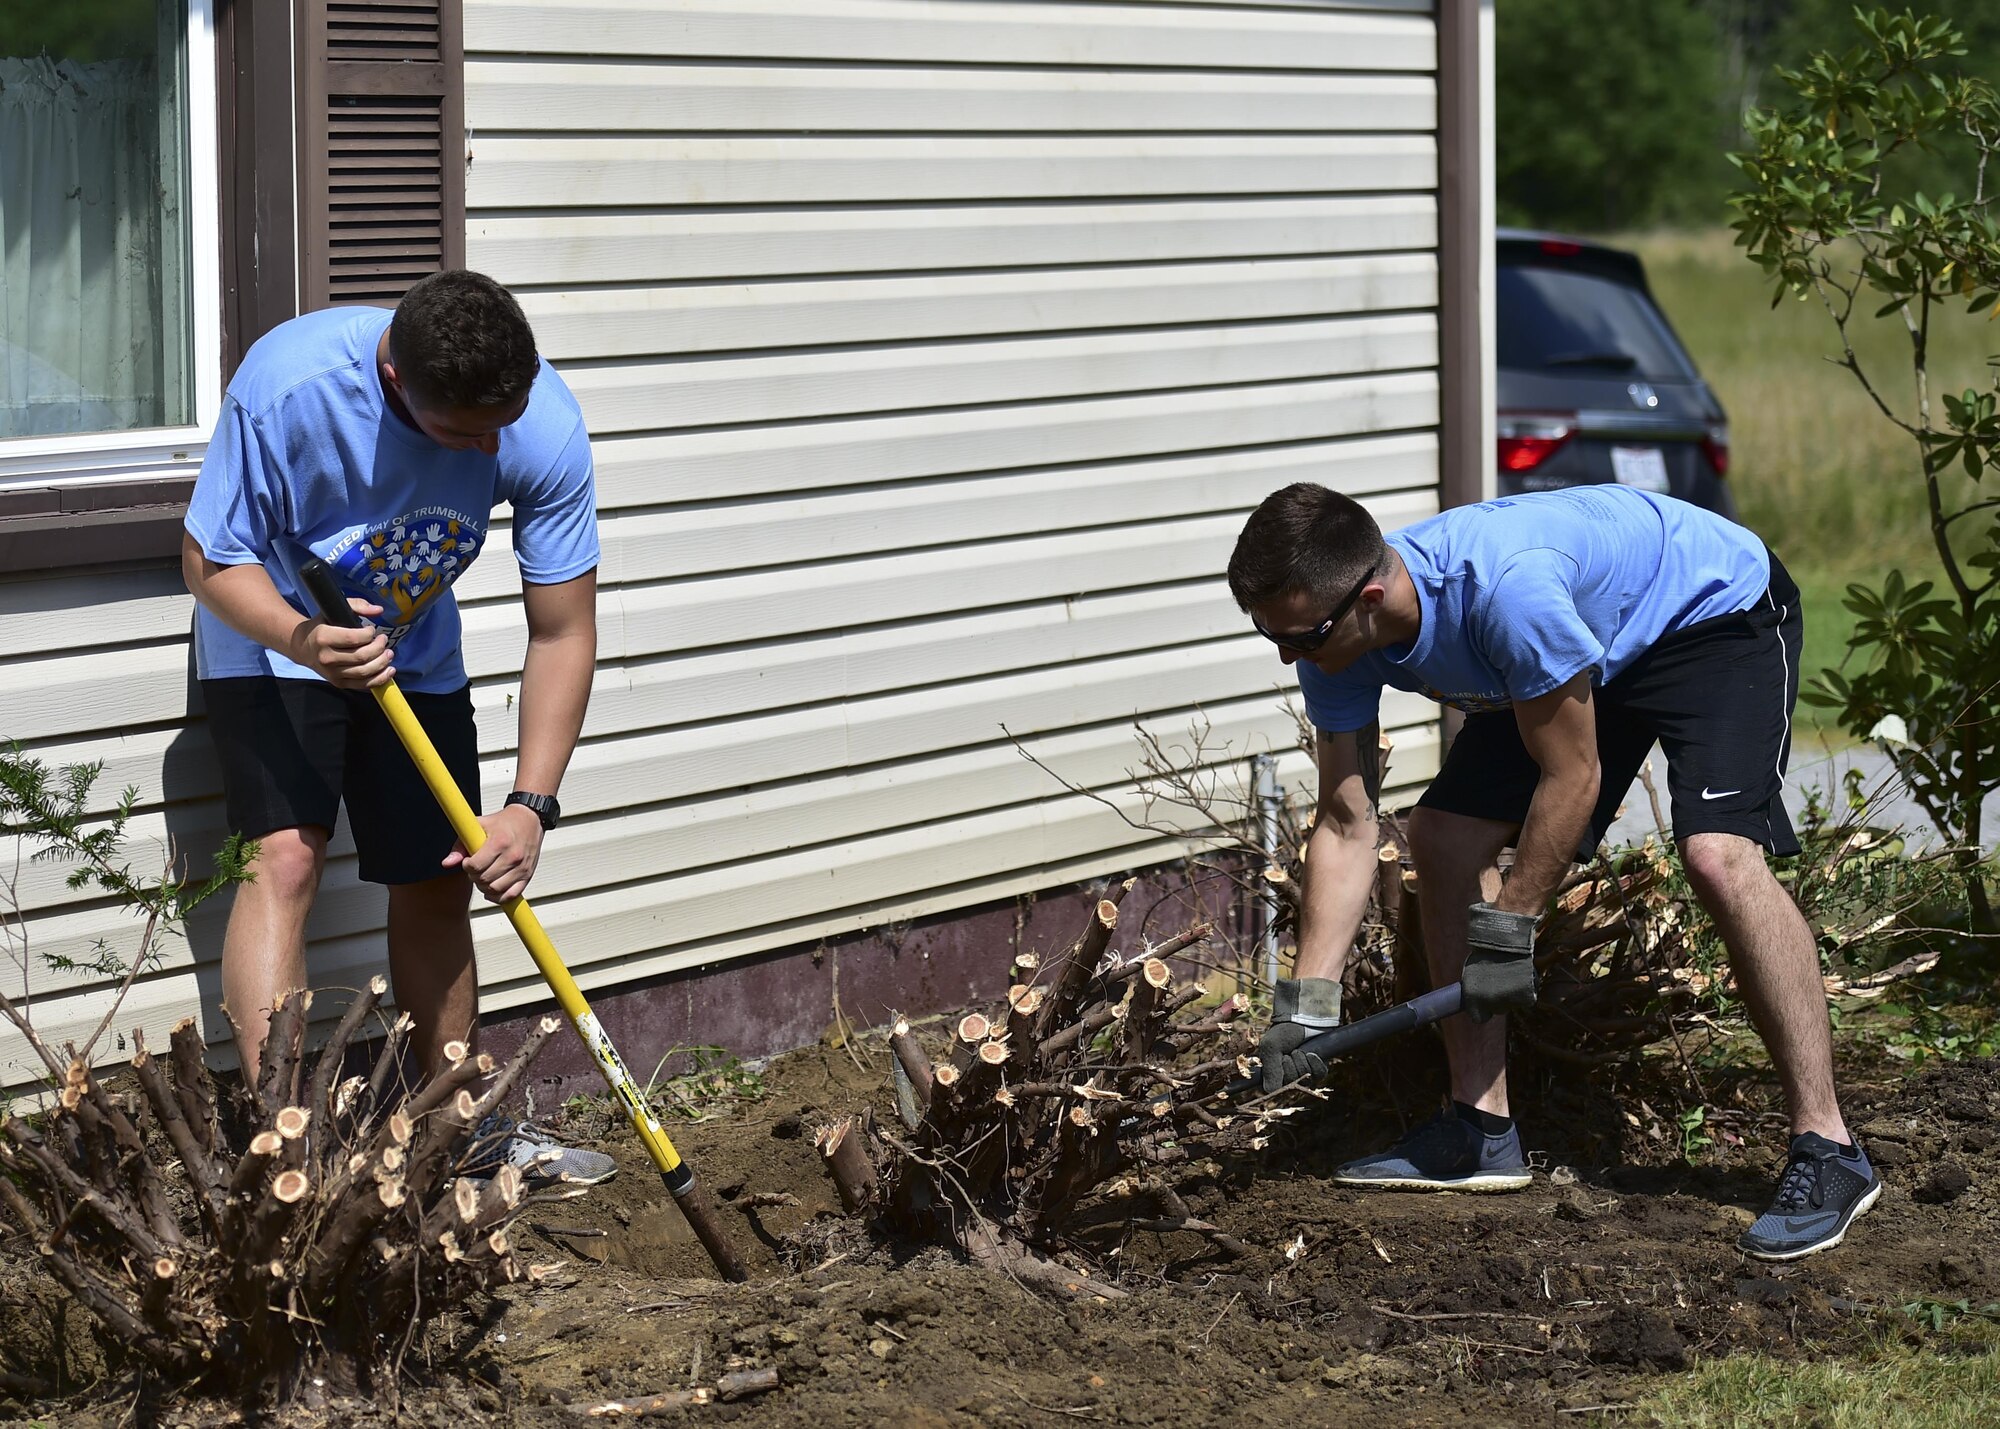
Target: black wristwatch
[544, 806]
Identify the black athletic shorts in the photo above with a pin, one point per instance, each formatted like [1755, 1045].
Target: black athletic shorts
[292, 749]
[1717, 697]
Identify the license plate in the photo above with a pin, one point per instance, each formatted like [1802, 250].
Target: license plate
[1643, 467]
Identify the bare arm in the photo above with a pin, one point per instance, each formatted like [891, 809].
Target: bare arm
[1340, 853]
[244, 599]
[555, 680]
[555, 689]
[1560, 732]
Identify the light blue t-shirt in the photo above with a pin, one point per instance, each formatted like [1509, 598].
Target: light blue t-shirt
[1521, 595]
[308, 460]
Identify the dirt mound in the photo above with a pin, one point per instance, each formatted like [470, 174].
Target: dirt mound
[1617, 1263]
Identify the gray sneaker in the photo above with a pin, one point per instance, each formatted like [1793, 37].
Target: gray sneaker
[540, 1158]
[1820, 1194]
[1444, 1154]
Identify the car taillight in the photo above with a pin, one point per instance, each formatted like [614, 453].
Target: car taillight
[1561, 247]
[1528, 441]
[1715, 446]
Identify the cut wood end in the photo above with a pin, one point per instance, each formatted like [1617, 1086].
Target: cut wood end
[1080, 1116]
[391, 1194]
[901, 1029]
[393, 1158]
[486, 1064]
[1107, 913]
[993, 1053]
[828, 1138]
[944, 1076]
[498, 1243]
[551, 1024]
[291, 1122]
[508, 1181]
[973, 1028]
[448, 1243]
[1004, 1097]
[275, 1269]
[1015, 993]
[401, 1128]
[465, 1198]
[1028, 961]
[266, 1143]
[1387, 854]
[378, 985]
[184, 1025]
[290, 1188]
[1410, 879]
[71, 1098]
[464, 1104]
[454, 1052]
[165, 1269]
[1156, 973]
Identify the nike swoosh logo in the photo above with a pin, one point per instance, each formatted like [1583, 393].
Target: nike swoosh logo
[1707, 793]
[1806, 1223]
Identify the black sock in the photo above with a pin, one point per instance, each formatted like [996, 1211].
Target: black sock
[1486, 1121]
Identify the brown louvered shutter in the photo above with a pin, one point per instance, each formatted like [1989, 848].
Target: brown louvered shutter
[381, 147]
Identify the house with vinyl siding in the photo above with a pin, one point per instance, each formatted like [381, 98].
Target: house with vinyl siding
[933, 355]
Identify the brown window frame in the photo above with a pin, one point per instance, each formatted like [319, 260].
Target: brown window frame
[266, 182]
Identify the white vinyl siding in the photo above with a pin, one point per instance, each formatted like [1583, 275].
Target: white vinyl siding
[933, 356]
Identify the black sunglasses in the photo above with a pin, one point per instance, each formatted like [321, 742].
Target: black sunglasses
[1307, 641]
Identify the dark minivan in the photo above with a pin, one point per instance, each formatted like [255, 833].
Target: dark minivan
[1593, 384]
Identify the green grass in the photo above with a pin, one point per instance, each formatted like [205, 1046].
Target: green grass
[1818, 471]
[1951, 1380]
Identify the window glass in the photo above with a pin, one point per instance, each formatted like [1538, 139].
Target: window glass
[95, 329]
[1559, 320]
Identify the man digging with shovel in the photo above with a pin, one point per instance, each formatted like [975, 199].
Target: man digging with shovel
[1575, 628]
[380, 444]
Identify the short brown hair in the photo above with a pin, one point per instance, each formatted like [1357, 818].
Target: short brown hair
[1303, 538]
[460, 340]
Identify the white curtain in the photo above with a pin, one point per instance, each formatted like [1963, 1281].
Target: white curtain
[94, 331]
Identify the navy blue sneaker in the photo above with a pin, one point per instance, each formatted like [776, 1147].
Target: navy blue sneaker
[1821, 1192]
[1444, 1154]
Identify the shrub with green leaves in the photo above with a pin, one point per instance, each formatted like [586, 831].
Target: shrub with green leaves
[1821, 213]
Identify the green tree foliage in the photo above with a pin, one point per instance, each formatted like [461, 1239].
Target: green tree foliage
[1827, 211]
[1616, 115]
[1606, 113]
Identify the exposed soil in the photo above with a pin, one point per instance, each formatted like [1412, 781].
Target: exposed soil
[1376, 1308]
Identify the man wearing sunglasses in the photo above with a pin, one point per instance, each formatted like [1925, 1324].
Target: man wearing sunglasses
[1575, 628]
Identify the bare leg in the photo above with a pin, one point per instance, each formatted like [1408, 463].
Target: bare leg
[1778, 967]
[264, 946]
[1456, 860]
[430, 961]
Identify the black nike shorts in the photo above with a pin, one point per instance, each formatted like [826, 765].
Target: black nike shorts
[1717, 697]
[291, 750]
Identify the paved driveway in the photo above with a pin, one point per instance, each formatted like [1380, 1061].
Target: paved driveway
[1814, 770]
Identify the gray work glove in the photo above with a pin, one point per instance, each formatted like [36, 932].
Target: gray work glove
[1303, 1009]
[1499, 974]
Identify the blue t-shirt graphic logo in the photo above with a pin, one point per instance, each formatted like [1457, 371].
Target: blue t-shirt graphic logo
[403, 565]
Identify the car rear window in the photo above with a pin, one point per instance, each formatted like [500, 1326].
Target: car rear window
[1560, 320]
